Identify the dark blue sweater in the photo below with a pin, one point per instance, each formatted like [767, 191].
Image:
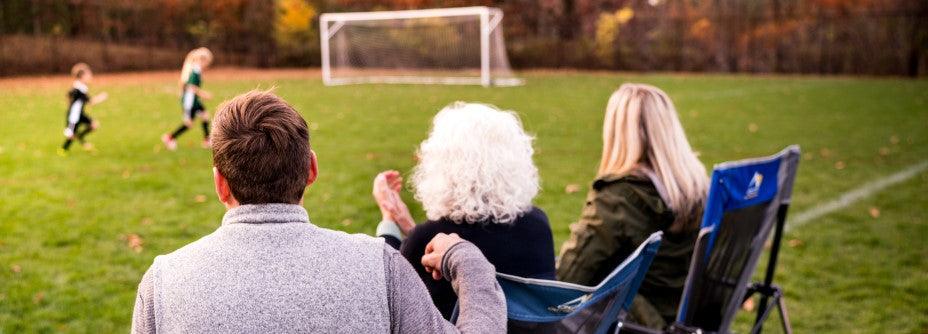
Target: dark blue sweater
[523, 248]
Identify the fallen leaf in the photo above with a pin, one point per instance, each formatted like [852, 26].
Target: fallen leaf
[200, 198]
[572, 188]
[884, 151]
[147, 221]
[839, 165]
[370, 156]
[135, 242]
[346, 222]
[894, 139]
[15, 268]
[824, 152]
[793, 243]
[808, 156]
[313, 126]
[752, 128]
[126, 174]
[38, 298]
[748, 305]
[874, 212]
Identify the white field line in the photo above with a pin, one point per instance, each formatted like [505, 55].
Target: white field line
[855, 195]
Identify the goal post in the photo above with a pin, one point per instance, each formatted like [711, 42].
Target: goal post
[429, 46]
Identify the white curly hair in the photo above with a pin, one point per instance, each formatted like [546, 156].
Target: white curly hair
[476, 165]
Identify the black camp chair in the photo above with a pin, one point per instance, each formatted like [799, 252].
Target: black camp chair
[748, 200]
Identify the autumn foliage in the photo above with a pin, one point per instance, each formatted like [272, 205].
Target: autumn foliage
[879, 37]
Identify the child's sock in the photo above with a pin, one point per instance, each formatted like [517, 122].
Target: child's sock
[179, 131]
[206, 129]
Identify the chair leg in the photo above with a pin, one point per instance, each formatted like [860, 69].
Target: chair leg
[784, 316]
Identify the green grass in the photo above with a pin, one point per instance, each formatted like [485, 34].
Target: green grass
[65, 265]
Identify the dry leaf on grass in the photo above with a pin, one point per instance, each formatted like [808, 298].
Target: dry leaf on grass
[824, 152]
[346, 222]
[752, 128]
[839, 165]
[16, 269]
[38, 297]
[572, 188]
[200, 198]
[884, 151]
[894, 139]
[748, 305]
[147, 221]
[134, 242]
[874, 212]
[793, 243]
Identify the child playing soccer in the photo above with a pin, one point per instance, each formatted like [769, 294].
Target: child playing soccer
[77, 123]
[191, 81]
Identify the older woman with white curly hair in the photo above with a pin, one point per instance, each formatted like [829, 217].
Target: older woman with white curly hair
[475, 178]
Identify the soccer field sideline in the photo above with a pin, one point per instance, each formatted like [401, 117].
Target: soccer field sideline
[853, 196]
[69, 220]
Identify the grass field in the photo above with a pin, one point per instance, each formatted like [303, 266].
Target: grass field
[76, 233]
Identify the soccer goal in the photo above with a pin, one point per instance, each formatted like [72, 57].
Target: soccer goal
[430, 46]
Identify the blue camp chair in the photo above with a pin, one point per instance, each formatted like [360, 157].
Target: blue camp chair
[748, 200]
[545, 306]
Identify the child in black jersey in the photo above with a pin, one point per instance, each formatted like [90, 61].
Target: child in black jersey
[191, 80]
[77, 123]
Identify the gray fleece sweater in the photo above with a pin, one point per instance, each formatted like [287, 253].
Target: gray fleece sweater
[267, 269]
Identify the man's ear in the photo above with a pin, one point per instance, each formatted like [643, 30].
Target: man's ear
[222, 189]
[313, 168]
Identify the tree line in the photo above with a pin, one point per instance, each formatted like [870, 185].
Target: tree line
[872, 37]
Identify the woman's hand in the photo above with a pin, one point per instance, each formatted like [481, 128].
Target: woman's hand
[435, 252]
[387, 186]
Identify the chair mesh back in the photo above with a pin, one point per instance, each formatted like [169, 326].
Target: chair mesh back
[728, 260]
[744, 200]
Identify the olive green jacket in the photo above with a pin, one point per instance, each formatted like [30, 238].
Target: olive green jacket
[620, 213]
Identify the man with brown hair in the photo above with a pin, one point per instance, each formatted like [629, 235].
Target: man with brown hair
[267, 269]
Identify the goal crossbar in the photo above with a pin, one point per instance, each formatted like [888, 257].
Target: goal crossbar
[489, 19]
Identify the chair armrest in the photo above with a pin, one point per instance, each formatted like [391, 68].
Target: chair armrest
[628, 327]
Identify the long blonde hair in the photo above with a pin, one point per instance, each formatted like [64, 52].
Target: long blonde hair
[199, 55]
[642, 134]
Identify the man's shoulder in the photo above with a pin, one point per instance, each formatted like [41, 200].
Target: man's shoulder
[329, 235]
[199, 245]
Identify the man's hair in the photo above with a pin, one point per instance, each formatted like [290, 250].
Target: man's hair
[261, 146]
[79, 69]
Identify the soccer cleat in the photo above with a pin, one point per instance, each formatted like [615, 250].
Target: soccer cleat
[169, 142]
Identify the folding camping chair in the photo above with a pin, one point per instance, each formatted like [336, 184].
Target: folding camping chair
[747, 200]
[545, 306]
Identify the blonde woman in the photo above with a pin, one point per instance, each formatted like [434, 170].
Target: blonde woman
[191, 81]
[475, 178]
[649, 180]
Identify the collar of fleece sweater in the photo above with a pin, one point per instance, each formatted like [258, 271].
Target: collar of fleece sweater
[266, 214]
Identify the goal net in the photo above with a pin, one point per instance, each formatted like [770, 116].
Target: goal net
[430, 46]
